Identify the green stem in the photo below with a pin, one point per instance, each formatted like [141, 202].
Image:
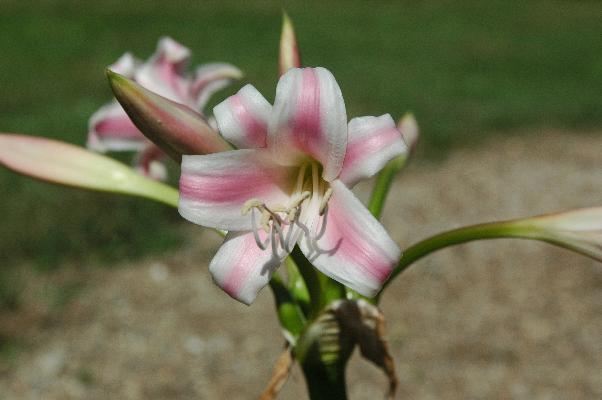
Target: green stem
[296, 285]
[383, 184]
[290, 314]
[323, 350]
[492, 230]
[325, 382]
[322, 289]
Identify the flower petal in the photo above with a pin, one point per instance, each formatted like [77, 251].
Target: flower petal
[309, 118]
[241, 268]
[210, 78]
[289, 51]
[242, 119]
[149, 162]
[126, 65]
[348, 244]
[215, 187]
[163, 73]
[175, 128]
[110, 129]
[373, 141]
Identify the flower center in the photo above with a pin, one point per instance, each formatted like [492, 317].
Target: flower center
[278, 220]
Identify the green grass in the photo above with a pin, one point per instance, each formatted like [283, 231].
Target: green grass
[466, 68]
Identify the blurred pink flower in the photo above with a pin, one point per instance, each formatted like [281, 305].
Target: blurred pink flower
[110, 129]
[290, 184]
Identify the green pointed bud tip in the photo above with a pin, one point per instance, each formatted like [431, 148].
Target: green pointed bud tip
[289, 51]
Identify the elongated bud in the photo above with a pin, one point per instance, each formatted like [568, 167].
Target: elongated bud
[66, 164]
[173, 127]
[408, 127]
[578, 230]
[289, 51]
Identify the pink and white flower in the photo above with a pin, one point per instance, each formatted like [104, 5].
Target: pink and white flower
[289, 183]
[165, 73]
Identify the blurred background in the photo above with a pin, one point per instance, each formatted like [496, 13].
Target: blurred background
[108, 296]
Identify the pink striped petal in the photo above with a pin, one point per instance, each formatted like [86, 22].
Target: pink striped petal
[241, 268]
[210, 78]
[348, 244]
[309, 119]
[110, 129]
[215, 187]
[242, 119]
[289, 51]
[149, 162]
[126, 65]
[373, 141]
[163, 73]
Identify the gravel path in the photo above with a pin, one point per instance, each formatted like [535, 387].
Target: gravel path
[490, 320]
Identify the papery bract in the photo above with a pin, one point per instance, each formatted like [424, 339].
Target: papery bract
[289, 184]
[165, 74]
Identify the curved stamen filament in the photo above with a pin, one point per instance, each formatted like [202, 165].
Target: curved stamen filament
[261, 245]
[324, 201]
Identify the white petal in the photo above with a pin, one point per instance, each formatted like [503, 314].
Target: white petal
[242, 119]
[210, 78]
[373, 141]
[241, 268]
[126, 65]
[309, 119]
[149, 162]
[350, 245]
[215, 187]
[163, 73]
[110, 129]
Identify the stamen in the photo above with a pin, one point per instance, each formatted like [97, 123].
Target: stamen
[315, 187]
[265, 219]
[324, 201]
[250, 204]
[278, 228]
[273, 238]
[301, 178]
[262, 246]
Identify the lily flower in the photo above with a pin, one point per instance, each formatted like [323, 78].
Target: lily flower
[165, 73]
[289, 183]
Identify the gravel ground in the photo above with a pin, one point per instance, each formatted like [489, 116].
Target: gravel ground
[490, 320]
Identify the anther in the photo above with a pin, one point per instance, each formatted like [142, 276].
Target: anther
[265, 220]
[250, 204]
